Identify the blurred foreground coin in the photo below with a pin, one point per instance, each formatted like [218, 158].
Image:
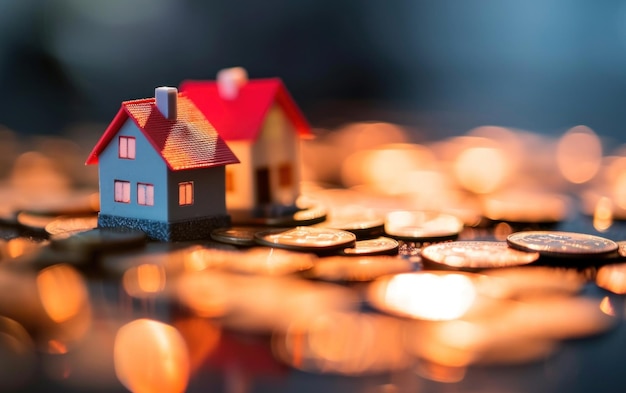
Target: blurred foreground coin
[562, 244]
[422, 226]
[340, 268]
[470, 255]
[306, 239]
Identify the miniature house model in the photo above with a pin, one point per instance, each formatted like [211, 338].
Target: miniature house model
[162, 169]
[262, 125]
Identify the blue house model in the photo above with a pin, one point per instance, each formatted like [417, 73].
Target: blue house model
[161, 168]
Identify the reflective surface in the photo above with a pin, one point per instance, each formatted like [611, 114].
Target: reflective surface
[86, 309]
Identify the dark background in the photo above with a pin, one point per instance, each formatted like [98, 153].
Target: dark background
[445, 65]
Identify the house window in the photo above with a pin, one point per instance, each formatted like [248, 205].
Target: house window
[185, 193]
[230, 181]
[285, 177]
[122, 191]
[145, 194]
[127, 147]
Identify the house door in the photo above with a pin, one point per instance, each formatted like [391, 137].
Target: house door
[263, 190]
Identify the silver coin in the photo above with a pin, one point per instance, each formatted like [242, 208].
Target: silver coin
[477, 255]
[306, 239]
[422, 225]
[379, 246]
[238, 236]
[562, 244]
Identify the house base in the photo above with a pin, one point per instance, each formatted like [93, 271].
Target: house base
[195, 229]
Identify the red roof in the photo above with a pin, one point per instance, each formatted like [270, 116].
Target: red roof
[187, 142]
[242, 117]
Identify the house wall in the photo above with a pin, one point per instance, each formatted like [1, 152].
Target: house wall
[147, 167]
[243, 189]
[209, 198]
[278, 144]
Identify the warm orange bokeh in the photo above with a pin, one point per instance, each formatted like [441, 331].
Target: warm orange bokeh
[62, 291]
[151, 356]
[579, 154]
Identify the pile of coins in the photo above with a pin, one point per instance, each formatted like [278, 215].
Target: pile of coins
[397, 273]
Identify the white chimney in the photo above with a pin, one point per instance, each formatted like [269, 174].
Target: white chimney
[166, 101]
[230, 80]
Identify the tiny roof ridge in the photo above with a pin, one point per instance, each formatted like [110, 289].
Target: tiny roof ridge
[241, 118]
[187, 142]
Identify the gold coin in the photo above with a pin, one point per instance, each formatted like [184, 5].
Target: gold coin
[306, 239]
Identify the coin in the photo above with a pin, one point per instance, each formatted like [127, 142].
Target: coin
[562, 244]
[306, 239]
[308, 216]
[34, 222]
[66, 226]
[422, 226]
[267, 261]
[526, 207]
[379, 246]
[238, 236]
[472, 255]
[364, 225]
[527, 282]
[341, 268]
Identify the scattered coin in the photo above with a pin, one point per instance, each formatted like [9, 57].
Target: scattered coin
[34, 222]
[378, 246]
[306, 239]
[267, 261]
[238, 236]
[474, 255]
[340, 268]
[364, 225]
[422, 226]
[562, 244]
[525, 282]
[64, 227]
[308, 216]
[526, 207]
